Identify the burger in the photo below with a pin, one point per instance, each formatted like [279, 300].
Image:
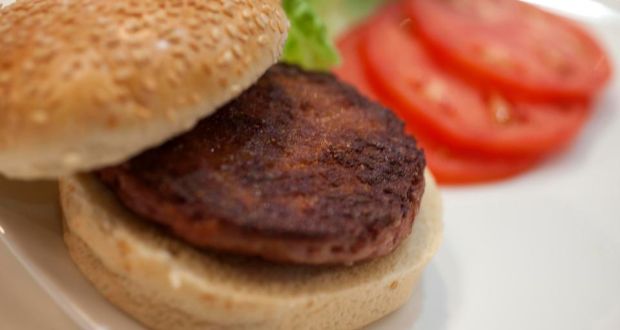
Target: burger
[204, 184]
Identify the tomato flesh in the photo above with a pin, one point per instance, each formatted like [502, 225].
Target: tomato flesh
[513, 47]
[449, 167]
[441, 105]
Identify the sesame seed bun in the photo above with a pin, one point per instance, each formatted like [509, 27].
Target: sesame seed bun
[166, 284]
[85, 83]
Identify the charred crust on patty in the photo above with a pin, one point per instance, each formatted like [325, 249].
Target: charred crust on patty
[300, 168]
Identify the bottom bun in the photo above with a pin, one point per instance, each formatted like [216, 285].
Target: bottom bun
[165, 284]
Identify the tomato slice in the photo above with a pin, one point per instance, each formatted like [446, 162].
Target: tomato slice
[350, 69]
[447, 166]
[439, 104]
[513, 47]
[452, 168]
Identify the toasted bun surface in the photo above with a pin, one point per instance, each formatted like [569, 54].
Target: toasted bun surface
[167, 285]
[86, 83]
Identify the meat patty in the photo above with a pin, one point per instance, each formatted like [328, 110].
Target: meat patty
[300, 168]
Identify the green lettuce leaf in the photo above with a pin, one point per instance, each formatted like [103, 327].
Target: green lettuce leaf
[309, 44]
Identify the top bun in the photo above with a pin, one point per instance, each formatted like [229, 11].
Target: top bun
[86, 84]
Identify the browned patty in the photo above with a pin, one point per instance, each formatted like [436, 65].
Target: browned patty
[300, 168]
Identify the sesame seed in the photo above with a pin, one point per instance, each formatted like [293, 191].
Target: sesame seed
[162, 44]
[262, 39]
[235, 88]
[226, 58]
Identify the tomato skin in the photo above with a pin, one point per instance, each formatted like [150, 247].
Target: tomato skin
[513, 47]
[441, 105]
[452, 168]
[349, 70]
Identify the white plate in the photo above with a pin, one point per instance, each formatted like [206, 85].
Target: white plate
[539, 252]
